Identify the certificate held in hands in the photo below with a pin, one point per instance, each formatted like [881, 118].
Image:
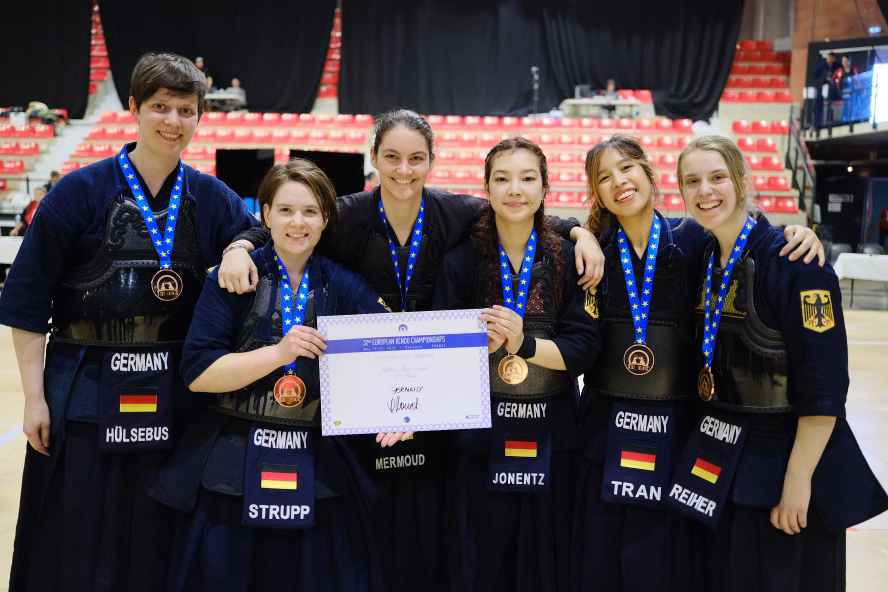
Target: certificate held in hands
[399, 372]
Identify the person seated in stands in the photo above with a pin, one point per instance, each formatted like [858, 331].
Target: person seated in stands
[199, 62]
[54, 177]
[28, 213]
[609, 92]
[237, 89]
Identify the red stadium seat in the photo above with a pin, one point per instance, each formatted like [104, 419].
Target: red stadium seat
[69, 166]
[778, 183]
[759, 82]
[644, 96]
[290, 119]
[252, 119]
[739, 69]
[606, 123]
[768, 56]
[777, 69]
[356, 138]
[14, 167]
[683, 126]
[468, 139]
[337, 137]
[125, 117]
[271, 119]
[780, 127]
[667, 161]
[490, 122]
[759, 182]
[777, 83]
[746, 45]
[9, 148]
[115, 133]
[547, 122]
[647, 142]
[22, 131]
[298, 136]
[746, 144]
[666, 143]
[567, 123]
[746, 96]
[332, 66]
[730, 96]
[42, 131]
[510, 122]
[644, 125]
[625, 124]
[130, 134]
[471, 122]
[108, 117]
[547, 140]
[98, 132]
[782, 96]
[98, 75]
[766, 145]
[318, 137]
[205, 135]
[567, 180]
[194, 153]
[330, 78]
[564, 159]
[789, 205]
[664, 125]
[738, 82]
[363, 120]
[445, 157]
[673, 202]
[280, 136]
[761, 127]
[772, 163]
[741, 127]
[755, 163]
[764, 45]
[308, 120]
[213, 118]
[669, 181]
[440, 176]
[567, 140]
[345, 120]
[588, 123]
[262, 136]
[83, 150]
[766, 203]
[755, 69]
[226, 136]
[452, 122]
[588, 140]
[3, 185]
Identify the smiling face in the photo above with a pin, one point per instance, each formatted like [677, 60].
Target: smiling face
[166, 122]
[515, 185]
[622, 185]
[708, 190]
[294, 219]
[403, 162]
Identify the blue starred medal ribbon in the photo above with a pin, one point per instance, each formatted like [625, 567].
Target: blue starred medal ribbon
[415, 239]
[289, 390]
[639, 358]
[166, 283]
[513, 369]
[712, 314]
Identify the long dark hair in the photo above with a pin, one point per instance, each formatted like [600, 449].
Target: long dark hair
[486, 239]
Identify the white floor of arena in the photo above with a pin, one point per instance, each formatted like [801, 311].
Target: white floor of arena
[867, 413]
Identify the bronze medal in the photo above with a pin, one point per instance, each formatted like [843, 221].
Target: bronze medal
[289, 391]
[638, 359]
[706, 384]
[512, 369]
[166, 285]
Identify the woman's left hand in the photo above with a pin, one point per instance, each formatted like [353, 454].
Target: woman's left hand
[791, 514]
[507, 323]
[589, 259]
[391, 438]
[801, 240]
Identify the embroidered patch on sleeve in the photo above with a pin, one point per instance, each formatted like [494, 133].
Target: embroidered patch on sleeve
[591, 304]
[817, 310]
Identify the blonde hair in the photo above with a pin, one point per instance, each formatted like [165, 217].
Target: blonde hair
[599, 216]
[738, 170]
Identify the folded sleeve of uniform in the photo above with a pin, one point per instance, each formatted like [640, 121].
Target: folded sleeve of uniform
[577, 337]
[51, 243]
[256, 236]
[814, 328]
[220, 207]
[213, 327]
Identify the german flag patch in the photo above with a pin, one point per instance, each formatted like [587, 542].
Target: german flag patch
[817, 310]
[707, 467]
[278, 476]
[638, 457]
[591, 304]
[521, 445]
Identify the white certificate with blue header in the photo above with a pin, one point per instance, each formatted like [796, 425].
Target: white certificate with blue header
[397, 372]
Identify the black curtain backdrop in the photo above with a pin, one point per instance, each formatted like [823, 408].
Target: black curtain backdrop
[45, 49]
[681, 50]
[473, 58]
[461, 57]
[276, 49]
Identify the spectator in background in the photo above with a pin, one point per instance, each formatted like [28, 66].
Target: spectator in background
[822, 78]
[237, 89]
[371, 180]
[199, 62]
[28, 213]
[53, 179]
[610, 92]
[842, 77]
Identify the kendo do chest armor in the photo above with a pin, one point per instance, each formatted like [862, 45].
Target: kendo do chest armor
[669, 335]
[256, 401]
[540, 321]
[750, 364]
[375, 264]
[109, 302]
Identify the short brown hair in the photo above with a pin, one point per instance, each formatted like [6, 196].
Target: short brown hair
[599, 216]
[309, 174]
[155, 71]
[737, 168]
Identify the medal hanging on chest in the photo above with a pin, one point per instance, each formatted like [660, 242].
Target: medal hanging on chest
[513, 369]
[413, 254]
[639, 359]
[705, 380]
[166, 283]
[289, 390]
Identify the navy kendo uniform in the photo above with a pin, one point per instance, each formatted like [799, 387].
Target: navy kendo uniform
[408, 514]
[509, 525]
[624, 537]
[781, 353]
[87, 262]
[239, 534]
